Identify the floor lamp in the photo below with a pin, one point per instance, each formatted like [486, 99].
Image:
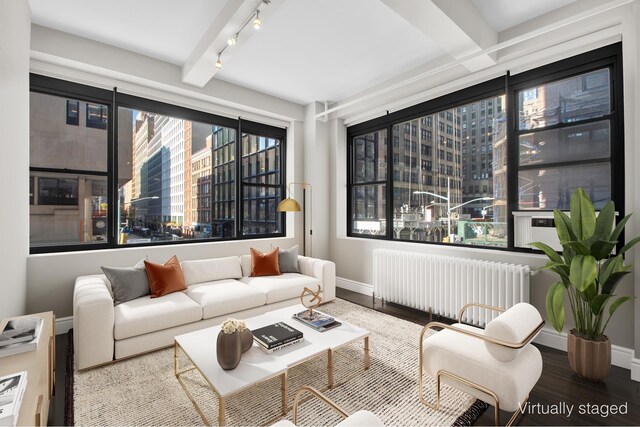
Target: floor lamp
[292, 205]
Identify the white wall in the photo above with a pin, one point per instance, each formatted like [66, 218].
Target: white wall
[15, 22]
[353, 256]
[316, 163]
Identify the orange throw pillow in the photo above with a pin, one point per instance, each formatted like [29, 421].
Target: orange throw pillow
[165, 279]
[264, 264]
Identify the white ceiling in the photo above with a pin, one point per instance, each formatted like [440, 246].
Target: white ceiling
[163, 29]
[306, 50]
[327, 50]
[503, 14]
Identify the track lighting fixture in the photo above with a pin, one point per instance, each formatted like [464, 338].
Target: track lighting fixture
[233, 40]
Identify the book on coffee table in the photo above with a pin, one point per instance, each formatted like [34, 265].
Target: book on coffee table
[276, 335]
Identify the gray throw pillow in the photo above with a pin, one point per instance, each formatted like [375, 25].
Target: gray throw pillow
[288, 260]
[128, 283]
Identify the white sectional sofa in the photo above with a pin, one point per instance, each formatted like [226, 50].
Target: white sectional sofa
[216, 289]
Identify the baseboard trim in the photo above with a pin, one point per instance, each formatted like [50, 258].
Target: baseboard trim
[352, 285]
[63, 324]
[620, 356]
[635, 369]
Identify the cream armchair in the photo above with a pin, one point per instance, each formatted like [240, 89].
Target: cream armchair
[358, 419]
[497, 365]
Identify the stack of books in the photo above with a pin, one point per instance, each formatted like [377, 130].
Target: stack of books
[12, 389]
[277, 336]
[20, 335]
[316, 320]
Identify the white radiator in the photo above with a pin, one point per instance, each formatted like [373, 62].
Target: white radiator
[444, 284]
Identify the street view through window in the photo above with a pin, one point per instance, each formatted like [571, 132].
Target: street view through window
[449, 173]
[176, 178]
[179, 181]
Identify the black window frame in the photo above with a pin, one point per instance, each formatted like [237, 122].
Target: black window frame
[113, 100]
[507, 85]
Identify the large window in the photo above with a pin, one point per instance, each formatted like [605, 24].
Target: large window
[261, 183]
[68, 173]
[564, 141]
[173, 177]
[368, 192]
[461, 164]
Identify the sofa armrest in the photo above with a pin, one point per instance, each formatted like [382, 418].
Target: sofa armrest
[323, 270]
[93, 320]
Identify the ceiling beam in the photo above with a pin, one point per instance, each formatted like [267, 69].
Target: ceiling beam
[200, 66]
[457, 27]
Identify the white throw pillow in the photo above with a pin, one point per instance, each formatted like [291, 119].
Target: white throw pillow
[513, 326]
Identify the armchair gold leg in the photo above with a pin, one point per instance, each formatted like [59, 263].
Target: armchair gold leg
[316, 393]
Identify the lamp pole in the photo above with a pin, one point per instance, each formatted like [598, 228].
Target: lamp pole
[286, 207]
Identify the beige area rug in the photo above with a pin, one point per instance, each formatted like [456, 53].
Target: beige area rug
[144, 391]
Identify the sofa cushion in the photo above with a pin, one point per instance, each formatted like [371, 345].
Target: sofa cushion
[245, 261]
[288, 260]
[128, 283]
[283, 287]
[224, 297]
[165, 278]
[208, 270]
[264, 264]
[146, 314]
[361, 419]
[467, 357]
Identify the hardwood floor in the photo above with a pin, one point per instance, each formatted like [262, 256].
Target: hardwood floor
[557, 384]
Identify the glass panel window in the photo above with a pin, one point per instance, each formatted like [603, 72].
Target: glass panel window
[551, 188]
[558, 132]
[55, 145]
[67, 209]
[368, 204]
[584, 142]
[261, 184]
[370, 157]
[430, 203]
[577, 98]
[171, 180]
[369, 160]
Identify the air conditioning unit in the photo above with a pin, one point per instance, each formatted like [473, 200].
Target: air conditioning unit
[535, 227]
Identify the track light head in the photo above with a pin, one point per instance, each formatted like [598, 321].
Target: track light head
[256, 22]
[233, 40]
[219, 63]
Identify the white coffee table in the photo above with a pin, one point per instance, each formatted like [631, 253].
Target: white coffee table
[256, 366]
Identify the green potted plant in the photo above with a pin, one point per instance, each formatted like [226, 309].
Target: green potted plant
[589, 274]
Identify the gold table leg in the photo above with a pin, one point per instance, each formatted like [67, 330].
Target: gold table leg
[221, 419]
[175, 359]
[284, 386]
[330, 368]
[367, 358]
